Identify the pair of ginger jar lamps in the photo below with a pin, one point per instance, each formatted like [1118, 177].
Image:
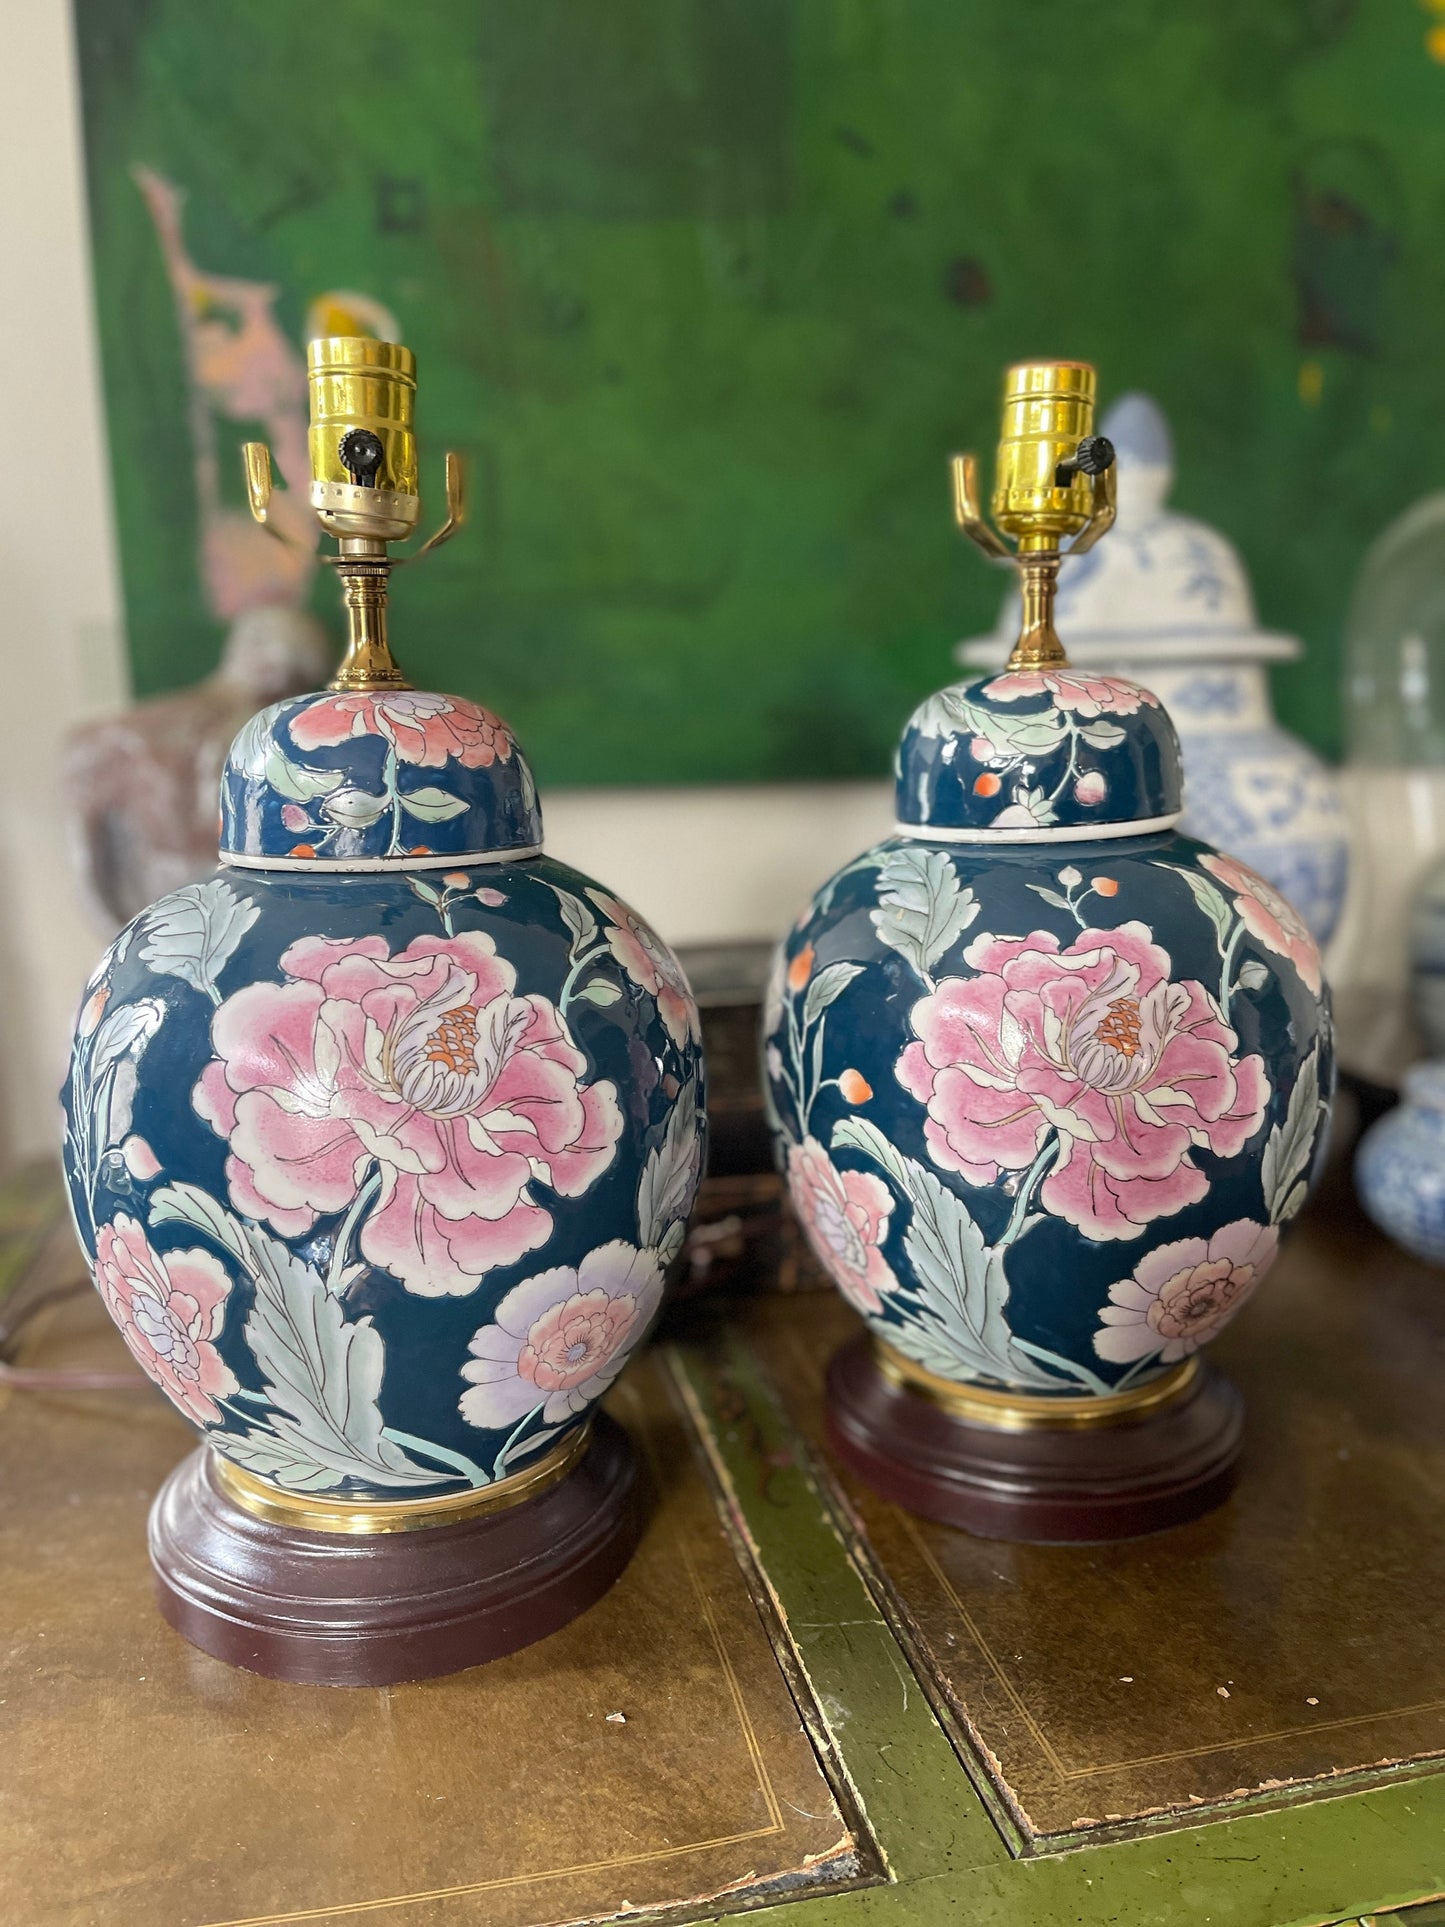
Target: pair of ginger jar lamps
[382, 1140]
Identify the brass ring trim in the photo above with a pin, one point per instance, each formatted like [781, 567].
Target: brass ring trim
[265, 1501]
[1018, 1412]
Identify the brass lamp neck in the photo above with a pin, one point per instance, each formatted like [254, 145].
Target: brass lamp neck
[368, 662]
[1038, 645]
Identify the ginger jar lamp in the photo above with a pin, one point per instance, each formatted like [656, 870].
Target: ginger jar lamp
[1048, 1078]
[381, 1141]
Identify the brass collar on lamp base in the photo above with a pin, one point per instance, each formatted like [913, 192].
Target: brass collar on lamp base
[364, 488]
[264, 1501]
[1016, 1412]
[1055, 481]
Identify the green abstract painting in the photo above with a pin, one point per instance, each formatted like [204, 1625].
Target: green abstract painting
[706, 291]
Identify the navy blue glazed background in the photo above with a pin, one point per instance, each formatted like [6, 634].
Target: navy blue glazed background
[866, 990]
[1024, 750]
[376, 774]
[629, 1015]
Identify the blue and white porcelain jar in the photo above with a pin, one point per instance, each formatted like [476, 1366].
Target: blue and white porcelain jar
[1048, 1076]
[1400, 1165]
[1168, 597]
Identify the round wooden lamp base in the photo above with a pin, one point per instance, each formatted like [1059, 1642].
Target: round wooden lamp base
[348, 1608]
[1151, 1466]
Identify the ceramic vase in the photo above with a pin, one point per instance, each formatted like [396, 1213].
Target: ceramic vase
[1048, 1078]
[1167, 599]
[1400, 1165]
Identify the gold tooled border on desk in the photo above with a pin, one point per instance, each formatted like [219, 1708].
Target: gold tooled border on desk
[642, 1428]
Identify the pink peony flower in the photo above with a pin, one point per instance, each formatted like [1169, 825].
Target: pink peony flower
[1097, 1044]
[845, 1214]
[558, 1340]
[169, 1307]
[421, 727]
[426, 1063]
[652, 967]
[1181, 1294]
[1269, 917]
[1091, 788]
[1072, 689]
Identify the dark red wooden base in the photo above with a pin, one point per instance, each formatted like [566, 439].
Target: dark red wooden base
[343, 1609]
[1093, 1483]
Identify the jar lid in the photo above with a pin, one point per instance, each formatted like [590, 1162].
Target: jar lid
[376, 779]
[1039, 754]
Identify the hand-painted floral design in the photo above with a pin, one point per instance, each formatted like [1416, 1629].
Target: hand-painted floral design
[1097, 1045]
[1182, 1294]
[1072, 689]
[1269, 917]
[425, 1068]
[170, 1308]
[421, 727]
[558, 1340]
[845, 1214]
[652, 967]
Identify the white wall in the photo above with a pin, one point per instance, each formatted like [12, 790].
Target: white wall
[702, 864]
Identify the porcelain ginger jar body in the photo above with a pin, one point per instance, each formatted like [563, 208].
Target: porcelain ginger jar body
[382, 1137]
[1168, 596]
[1048, 1076]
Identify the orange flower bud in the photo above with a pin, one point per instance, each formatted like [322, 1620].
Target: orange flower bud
[855, 1087]
[303, 849]
[988, 784]
[1106, 886]
[457, 880]
[801, 968]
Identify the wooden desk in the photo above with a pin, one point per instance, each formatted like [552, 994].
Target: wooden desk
[825, 1705]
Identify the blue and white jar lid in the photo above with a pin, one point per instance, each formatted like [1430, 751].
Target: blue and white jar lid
[1022, 756]
[373, 780]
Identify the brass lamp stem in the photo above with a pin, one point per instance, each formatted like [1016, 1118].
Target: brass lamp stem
[1038, 645]
[368, 662]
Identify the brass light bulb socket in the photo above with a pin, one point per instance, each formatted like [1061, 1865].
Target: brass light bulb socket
[1048, 409]
[363, 399]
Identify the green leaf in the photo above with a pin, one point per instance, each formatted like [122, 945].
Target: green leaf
[922, 911]
[1050, 896]
[1102, 735]
[354, 808]
[432, 805]
[826, 988]
[1209, 900]
[426, 891]
[188, 1204]
[193, 933]
[1287, 1151]
[962, 1280]
[580, 922]
[600, 992]
[671, 1173]
[1253, 975]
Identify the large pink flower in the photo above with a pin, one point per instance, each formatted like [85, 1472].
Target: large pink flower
[652, 967]
[1181, 1294]
[426, 1064]
[1072, 689]
[845, 1214]
[558, 1340]
[421, 727]
[1269, 917]
[1097, 1044]
[170, 1308]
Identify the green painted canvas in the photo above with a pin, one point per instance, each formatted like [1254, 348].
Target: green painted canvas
[706, 291]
